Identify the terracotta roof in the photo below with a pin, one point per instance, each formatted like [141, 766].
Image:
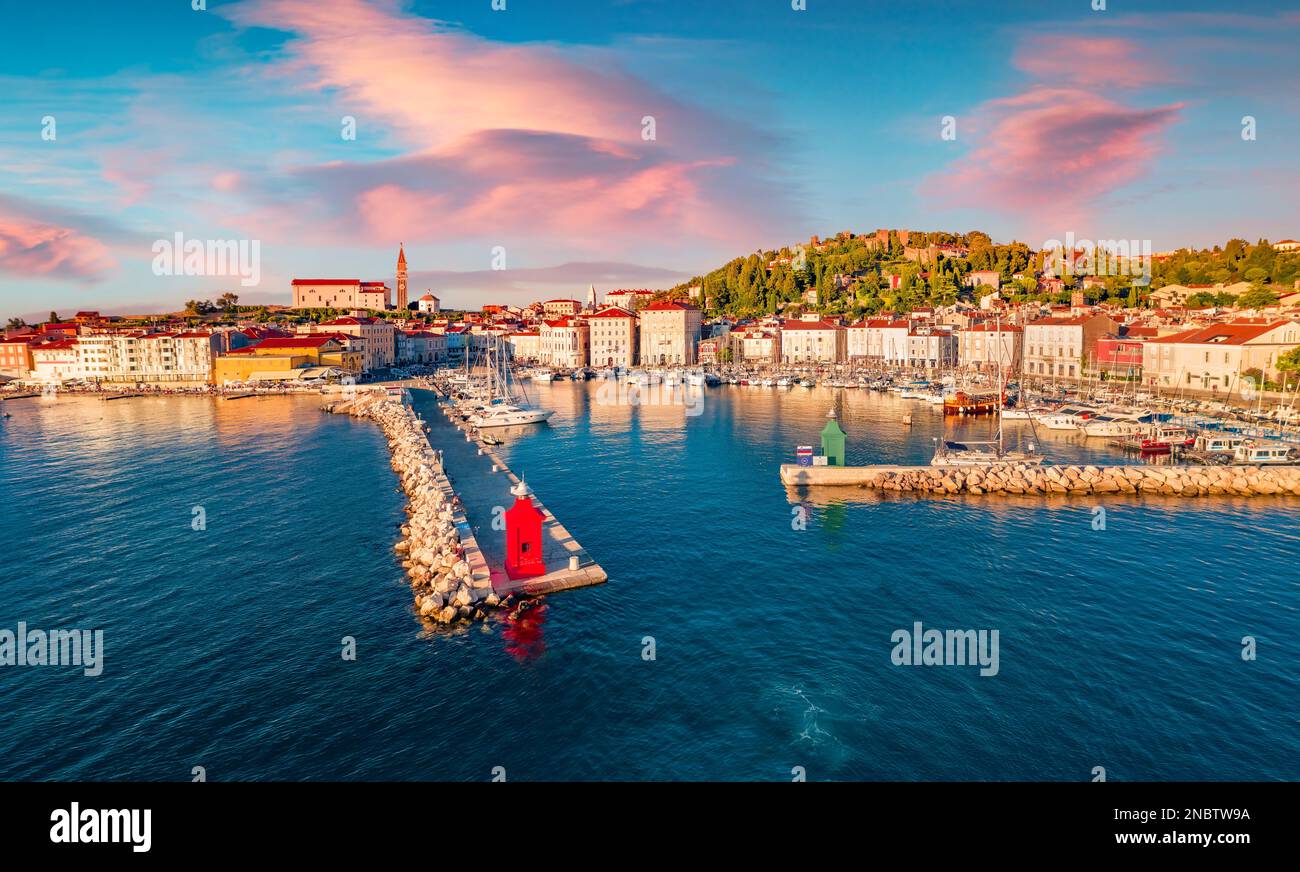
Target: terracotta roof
[668, 305]
[986, 327]
[809, 325]
[613, 312]
[314, 340]
[327, 281]
[1221, 334]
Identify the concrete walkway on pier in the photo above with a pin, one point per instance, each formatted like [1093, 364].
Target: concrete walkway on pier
[484, 494]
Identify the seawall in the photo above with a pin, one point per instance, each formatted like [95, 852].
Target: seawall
[447, 571]
[1013, 478]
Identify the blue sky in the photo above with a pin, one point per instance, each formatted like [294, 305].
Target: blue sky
[521, 131]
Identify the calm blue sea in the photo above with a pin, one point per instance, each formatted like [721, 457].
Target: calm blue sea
[1119, 647]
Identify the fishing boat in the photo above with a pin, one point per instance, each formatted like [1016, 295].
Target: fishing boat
[1218, 443]
[1161, 439]
[1254, 453]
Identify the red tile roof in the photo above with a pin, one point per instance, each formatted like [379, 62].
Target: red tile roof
[327, 281]
[314, 340]
[809, 325]
[1221, 334]
[667, 305]
[613, 312]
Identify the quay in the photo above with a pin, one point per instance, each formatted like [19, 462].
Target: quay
[19, 397]
[1019, 478]
[484, 482]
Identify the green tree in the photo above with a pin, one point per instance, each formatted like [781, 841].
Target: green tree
[1257, 298]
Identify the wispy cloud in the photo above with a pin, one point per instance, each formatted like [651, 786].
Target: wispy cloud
[501, 140]
[1055, 151]
[35, 244]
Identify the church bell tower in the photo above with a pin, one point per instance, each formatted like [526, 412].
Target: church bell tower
[401, 278]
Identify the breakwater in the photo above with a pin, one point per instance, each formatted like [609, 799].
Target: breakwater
[1018, 478]
[446, 568]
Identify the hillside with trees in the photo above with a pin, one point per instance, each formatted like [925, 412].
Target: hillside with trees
[851, 274]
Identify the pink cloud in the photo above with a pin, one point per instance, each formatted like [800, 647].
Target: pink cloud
[33, 248]
[436, 83]
[503, 139]
[1088, 62]
[1053, 153]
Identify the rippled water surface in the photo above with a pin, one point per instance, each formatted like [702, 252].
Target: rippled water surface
[1119, 647]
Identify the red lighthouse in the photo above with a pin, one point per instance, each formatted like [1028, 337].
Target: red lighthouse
[524, 535]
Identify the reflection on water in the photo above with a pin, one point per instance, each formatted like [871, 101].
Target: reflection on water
[1119, 645]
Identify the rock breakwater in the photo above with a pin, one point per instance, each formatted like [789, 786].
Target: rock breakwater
[446, 569]
[1013, 478]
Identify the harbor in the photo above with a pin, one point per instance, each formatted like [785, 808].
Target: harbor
[647, 491]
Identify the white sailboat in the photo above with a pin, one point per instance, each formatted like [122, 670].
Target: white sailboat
[503, 408]
[984, 453]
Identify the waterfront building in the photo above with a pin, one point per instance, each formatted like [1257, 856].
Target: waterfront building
[878, 341]
[1120, 356]
[613, 338]
[56, 362]
[564, 342]
[16, 357]
[525, 344]
[1061, 347]
[708, 352]
[985, 346]
[669, 333]
[931, 347]
[458, 341]
[754, 345]
[561, 308]
[378, 335]
[1217, 356]
[285, 358]
[158, 358]
[812, 341]
[421, 346]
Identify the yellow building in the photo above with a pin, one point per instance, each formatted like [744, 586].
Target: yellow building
[285, 357]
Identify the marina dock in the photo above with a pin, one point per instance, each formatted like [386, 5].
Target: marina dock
[483, 482]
